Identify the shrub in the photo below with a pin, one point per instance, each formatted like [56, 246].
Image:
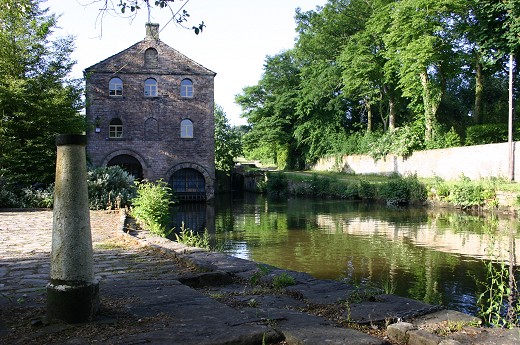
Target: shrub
[395, 191]
[109, 188]
[466, 193]
[366, 190]
[36, 196]
[151, 207]
[488, 133]
[276, 185]
[403, 190]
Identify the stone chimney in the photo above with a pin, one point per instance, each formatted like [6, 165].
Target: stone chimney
[152, 31]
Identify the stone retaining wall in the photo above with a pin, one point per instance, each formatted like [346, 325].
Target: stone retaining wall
[475, 162]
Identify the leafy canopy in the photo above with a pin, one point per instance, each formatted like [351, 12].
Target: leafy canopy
[37, 100]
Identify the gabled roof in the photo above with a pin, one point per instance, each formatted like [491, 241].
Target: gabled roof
[131, 61]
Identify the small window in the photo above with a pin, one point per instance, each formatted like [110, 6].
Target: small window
[151, 58]
[186, 88]
[115, 87]
[150, 88]
[115, 129]
[186, 129]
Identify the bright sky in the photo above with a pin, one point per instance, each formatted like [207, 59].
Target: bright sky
[239, 34]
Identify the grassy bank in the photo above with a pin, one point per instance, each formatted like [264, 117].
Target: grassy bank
[395, 189]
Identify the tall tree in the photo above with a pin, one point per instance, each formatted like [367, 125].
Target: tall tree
[227, 142]
[324, 113]
[270, 109]
[37, 101]
[420, 51]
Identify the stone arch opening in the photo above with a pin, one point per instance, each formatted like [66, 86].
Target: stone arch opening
[129, 164]
[189, 185]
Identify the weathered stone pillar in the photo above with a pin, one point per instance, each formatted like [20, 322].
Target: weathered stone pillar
[72, 293]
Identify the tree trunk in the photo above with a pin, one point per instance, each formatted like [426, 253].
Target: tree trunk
[369, 116]
[391, 118]
[431, 101]
[479, 91]
[391, 108]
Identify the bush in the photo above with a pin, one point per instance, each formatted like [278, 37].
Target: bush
[36, 196]
[276, 185]
[466, 193]
[151, 207]
[109, 188]
[488, 134]
[398, 190]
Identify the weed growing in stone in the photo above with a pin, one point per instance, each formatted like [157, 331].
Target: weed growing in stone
[283, 280]
[192, 238]
[262, 271]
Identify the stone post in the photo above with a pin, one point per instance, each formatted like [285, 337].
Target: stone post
[72, 293]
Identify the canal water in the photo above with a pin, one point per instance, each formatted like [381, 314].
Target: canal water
[436, 256]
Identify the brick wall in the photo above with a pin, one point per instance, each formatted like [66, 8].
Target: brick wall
[160, 149]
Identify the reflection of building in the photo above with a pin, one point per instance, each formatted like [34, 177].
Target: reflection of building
[151, 109]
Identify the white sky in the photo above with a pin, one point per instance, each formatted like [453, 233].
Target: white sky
[239, 34]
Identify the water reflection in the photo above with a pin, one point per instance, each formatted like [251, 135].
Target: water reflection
[431, 255]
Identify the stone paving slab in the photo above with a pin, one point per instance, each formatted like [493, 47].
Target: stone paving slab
[148, 296]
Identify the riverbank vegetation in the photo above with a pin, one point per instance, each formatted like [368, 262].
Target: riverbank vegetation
[151, 206]
[393, 189]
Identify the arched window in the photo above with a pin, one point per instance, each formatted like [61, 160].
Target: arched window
[150, 87]
[115, 87]
[186, 88]
[186, 129]
[151, 129]
[115, 129]
[151, 58]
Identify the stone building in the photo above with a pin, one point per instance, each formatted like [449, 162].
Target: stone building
[150, 110]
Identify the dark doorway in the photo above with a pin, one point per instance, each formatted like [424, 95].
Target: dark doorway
[129, 164]
[189, 185]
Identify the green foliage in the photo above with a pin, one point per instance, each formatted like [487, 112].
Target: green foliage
[37, 100]
[488, 134]
[228, 145]
[261, 272]
[498, 300]
[151, 206]
[192, 239]
[283, 280]
[403, 190]
[381, 77]
[276, 184]
[110, 188]
[466, 194]
[36, 196]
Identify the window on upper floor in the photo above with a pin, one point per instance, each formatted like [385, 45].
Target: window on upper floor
[186, 88]
[115, 129]
[150, 88]
[186, 129]
[151, 58]
[115, 87]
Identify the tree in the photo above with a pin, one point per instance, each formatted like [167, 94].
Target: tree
[270, 109]
[37, 101]
[129, 8]
[227, 142]
[420, 51]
